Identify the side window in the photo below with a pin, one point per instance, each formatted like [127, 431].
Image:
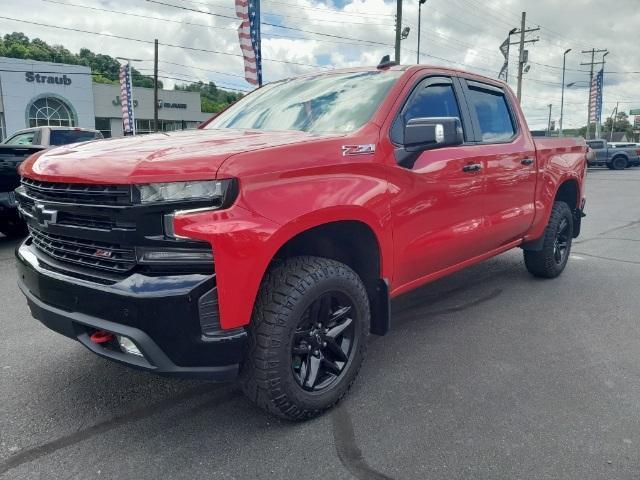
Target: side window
[492, 111]
[21, 139]
[432, 101]
[432, 97]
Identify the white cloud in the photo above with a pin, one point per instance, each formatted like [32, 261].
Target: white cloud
[460, 33]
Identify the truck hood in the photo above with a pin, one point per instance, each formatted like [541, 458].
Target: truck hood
[165, 157]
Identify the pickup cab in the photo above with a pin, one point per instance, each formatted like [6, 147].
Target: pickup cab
[267, 245]
[615, 156]
[14, 150]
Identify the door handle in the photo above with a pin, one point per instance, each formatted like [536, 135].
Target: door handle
[472, 167]
[526, 161]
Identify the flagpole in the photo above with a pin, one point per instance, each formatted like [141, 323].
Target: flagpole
[133, 114]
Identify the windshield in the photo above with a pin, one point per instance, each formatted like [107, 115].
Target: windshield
[334, 103]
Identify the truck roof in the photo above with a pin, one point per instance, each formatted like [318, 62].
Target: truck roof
[403, 68]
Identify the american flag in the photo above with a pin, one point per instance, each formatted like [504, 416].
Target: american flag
[595, 98]
[126, 104]
[249, 34]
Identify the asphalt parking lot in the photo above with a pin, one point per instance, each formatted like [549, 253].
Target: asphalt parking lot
[486, 374]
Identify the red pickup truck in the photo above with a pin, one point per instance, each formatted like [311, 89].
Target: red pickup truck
[266, 245]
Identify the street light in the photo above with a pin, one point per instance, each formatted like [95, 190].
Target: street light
[564, 64]
[420, 2]
[133, 116]
[405, 33]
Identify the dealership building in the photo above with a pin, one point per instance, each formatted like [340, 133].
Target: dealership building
[36, 93]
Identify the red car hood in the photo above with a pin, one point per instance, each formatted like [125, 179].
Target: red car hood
[189, 155]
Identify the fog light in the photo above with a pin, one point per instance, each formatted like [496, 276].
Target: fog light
[127, 346]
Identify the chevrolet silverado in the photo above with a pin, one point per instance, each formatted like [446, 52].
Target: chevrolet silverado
[267, 245]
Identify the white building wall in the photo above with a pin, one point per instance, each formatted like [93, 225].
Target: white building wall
[19, 88]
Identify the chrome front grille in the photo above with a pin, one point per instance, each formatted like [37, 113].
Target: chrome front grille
[87, 253]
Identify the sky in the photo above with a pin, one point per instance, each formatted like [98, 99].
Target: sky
[299, 36]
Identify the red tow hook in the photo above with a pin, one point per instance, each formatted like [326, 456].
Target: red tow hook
[100, 336]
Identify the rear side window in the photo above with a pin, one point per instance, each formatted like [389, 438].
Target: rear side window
[21, 139]
[64, 137]
[492, 111]
[433, 101]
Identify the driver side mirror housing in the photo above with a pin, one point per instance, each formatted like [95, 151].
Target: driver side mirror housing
[422, 134]
[427, 133]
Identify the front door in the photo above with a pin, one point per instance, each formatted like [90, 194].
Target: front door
[438, 207]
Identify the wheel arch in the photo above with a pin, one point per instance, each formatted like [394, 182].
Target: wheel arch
[354, 243]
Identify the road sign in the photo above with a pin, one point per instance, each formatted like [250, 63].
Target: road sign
[635, 111]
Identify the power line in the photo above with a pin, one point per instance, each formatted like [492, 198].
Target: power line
[328, 9]
[373, 42]
[203, 25]
[265, 12]
[131, 39]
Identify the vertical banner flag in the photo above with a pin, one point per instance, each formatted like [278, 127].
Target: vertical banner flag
[249, 35]
[595, 98]
[504, 48]
[126, 104]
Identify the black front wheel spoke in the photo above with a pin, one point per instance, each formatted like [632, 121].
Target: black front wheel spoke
[312, 372]
[324, 341]
[336, 331]
[336, 351]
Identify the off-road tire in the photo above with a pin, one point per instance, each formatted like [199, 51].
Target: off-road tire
[543, 263]
[619, 163]
[287, 290]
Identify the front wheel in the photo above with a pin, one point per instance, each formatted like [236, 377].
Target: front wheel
[551, 260]
[307, 338]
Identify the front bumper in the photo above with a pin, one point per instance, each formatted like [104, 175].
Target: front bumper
[159, 313]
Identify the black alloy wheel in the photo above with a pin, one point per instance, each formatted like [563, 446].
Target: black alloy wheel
[551, 259]
[307, 338]
[561, 244]
[324, 341]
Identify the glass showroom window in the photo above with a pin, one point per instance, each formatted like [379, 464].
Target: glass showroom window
[50, 111]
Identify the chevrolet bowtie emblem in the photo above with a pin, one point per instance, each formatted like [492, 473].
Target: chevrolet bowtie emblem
[43, 215]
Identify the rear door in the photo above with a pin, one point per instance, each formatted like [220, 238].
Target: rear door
[509, 157]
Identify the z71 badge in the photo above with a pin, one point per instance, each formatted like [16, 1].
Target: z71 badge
[358, 149]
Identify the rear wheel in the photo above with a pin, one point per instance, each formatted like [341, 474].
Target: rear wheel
[619, 163]
[307, 339]
[550, 261]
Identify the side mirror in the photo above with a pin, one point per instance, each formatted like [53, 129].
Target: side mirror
[428, 133]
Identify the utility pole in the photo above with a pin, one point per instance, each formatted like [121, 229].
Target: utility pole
[549, 122]
[155, 86]
[398, 29]
[521, 58]
[420, 2]
[593, 52]
[564, 64]
[614, 115]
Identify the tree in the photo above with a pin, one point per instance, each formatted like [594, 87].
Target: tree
[620, 124]
[212, 99]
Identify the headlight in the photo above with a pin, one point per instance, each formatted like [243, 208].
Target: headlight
[219, 192]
